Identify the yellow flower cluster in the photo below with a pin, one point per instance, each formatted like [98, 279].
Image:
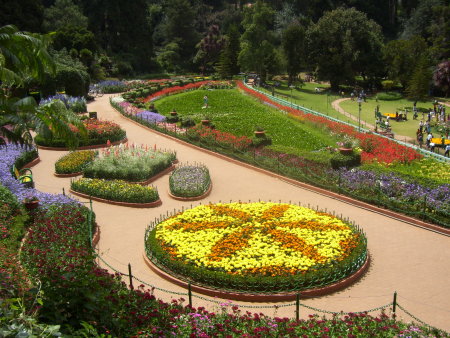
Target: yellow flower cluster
[241, 238]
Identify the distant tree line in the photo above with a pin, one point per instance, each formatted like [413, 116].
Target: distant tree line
[406, 41]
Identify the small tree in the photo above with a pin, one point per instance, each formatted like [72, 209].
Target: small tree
[419, 84]
[293, 42]
[441, 77]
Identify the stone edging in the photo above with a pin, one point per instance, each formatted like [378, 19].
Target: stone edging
[277, 297]
[324, 192]
[69, 175]
[97, 146]
[122, 204]
[194, 198]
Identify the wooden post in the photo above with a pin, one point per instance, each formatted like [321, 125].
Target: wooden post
[297, 307]
[190, 294]
[130, 276]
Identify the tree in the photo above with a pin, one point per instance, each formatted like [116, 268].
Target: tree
[27, 15]
[401, 56]
[228, 62]
[343, 44]
[441, 77]
[209, 49]
[293, 43]
[24, 57]
[64, 13]
[419, 84]
[257, 48]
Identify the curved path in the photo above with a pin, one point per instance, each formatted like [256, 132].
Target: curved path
[412, 261]
[336, 104]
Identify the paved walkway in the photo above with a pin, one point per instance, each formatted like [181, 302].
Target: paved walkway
[336, 104]
[412, 261]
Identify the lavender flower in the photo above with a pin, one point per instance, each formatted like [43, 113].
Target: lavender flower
[151, 116]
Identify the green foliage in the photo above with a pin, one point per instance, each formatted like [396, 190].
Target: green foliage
[419, 84]
[345, 161]
[294, 47]
[228, 60]
[64, 13]
[343, 44]
[9, 199]
[389, 96]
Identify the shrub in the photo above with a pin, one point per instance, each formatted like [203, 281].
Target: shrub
[389, 96]
[189, 181]
[74, 162]
[111, 86]
[76, 104]
[187, 122]
[345, 161]
[115, 190]
[129, 163]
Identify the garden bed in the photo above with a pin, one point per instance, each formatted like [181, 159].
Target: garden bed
[262, 248]
[190, 182]
[72, 164]
[154, 204]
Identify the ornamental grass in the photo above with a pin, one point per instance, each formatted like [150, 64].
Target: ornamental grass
[258, 247]
[130, 163]
[115, 190]
[75, 161]
[189, 181]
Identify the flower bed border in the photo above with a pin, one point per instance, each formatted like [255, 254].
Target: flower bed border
[193, 198]
[69, 175]
[253, 297]
[154, 204]
[95, 146]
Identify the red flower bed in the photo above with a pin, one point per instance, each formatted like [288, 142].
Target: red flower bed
[375, 148]
[208, 135]
[174, 90]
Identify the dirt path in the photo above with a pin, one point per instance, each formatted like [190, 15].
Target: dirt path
[412, 261]
[336, 104]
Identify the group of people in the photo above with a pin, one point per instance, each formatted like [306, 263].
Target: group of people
[360, 95]
[429, 140]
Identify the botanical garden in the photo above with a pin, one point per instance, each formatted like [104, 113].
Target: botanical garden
[224, 168]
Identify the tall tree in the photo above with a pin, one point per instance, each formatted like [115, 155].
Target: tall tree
[401, 56]
[179, 28]
[293, 42]
[209, 49]
[257, 49]
[228, 62]
[345, 43]
[27, 15]
[419, 85]
[441, 77]
[24, 57]
[64, 13]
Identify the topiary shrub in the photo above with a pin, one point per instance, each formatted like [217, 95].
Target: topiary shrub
[348, 161]
[389, 96]
[187, 122]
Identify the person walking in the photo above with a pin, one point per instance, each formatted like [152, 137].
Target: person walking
[447, 150]
[205, 101]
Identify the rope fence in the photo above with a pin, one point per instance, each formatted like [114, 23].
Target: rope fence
[297, 304]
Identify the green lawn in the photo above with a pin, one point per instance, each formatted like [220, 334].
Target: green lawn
[232, 112]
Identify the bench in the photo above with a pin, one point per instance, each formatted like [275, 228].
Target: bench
[24, 176]
[438, 141]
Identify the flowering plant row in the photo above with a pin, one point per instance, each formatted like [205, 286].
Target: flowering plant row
[222, 139]
[258, 240]
[189, 181]
[99, 132]
[75, 161]
[112, 86]
[375, 148]
[130, 163]
[115, 190]
[76, 104]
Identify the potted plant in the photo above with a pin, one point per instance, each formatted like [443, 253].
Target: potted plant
[206, 120]
[31, 202]
[346, 148]
[259, 131]
[173, 113]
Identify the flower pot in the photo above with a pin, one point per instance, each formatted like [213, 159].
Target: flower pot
[173, 113]
[31, 205]
[346, 151]
[206, 122]
[260, 133]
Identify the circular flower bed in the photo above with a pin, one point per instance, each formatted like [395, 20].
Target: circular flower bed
[257, 247]
[189, 181]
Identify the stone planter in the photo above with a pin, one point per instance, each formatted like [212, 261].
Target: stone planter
[260, 133]
[206, 122]
[31, 205]
[346, 151]
[173, 113]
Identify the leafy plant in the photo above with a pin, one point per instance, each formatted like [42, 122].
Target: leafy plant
[74, 162]
[189, 181]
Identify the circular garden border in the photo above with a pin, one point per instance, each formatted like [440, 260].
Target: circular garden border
[193, 198]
